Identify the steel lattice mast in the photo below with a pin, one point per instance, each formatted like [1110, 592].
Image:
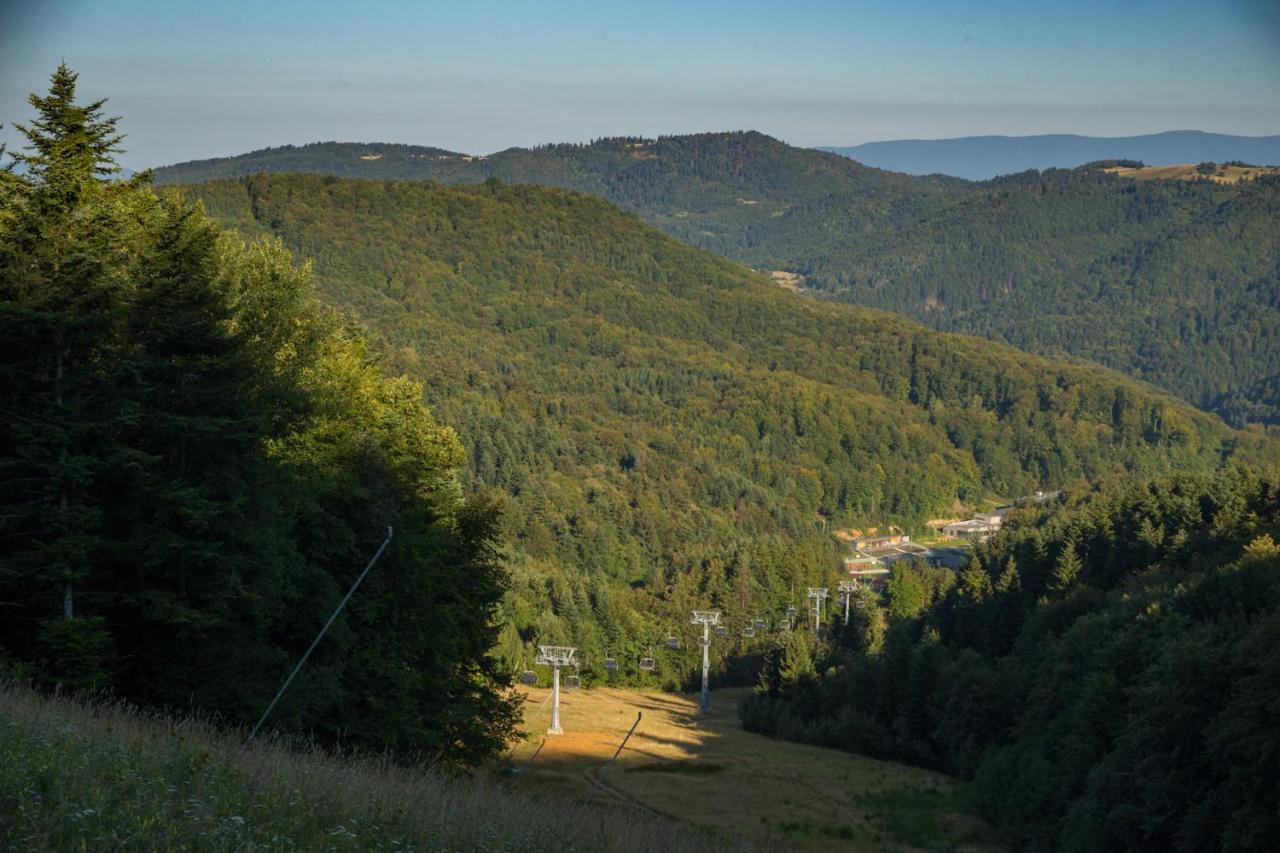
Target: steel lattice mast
[706, 618]
[555, 657]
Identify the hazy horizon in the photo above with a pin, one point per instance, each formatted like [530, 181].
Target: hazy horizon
[196, 81]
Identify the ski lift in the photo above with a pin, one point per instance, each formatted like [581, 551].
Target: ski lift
[748, 631]
[784, 624]
[673, 642]
[760, 623]
[647, 663]
[610, 664]
[528, 677]
[722, 631]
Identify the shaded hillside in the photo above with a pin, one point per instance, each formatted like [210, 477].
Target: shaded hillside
[672, 427]
[1172, 282]
[1108, 668]
[981, 157]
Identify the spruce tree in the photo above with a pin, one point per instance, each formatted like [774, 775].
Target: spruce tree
[62, 298]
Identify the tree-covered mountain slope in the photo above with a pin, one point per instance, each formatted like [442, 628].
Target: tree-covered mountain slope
[1108, 668]
[1173, 282]
[671, 427]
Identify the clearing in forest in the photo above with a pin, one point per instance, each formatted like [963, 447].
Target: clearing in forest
[706, 770]
[1221, 173]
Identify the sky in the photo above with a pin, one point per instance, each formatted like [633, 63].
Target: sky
[222, 77]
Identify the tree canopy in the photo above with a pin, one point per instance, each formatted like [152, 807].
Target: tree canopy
[1173, 282]
[196, 459]
[671, 429]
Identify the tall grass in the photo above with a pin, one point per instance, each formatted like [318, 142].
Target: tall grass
[105, 776]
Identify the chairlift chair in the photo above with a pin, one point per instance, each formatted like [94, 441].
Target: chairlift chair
[760, 623]
[673, 642]
[791, 611]
[704, 641]
[784, 624]
[527, 676]
[610, 664]
[722, 631]
[647, 663]
[748, 631]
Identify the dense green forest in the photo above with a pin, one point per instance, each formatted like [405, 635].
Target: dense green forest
[1173, 282]
[197, 459]
[1108, 669]
[670, 428]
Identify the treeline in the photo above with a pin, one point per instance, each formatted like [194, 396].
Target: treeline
[196, 460]
[1172, 282]
[1107, 669]
[672, 430]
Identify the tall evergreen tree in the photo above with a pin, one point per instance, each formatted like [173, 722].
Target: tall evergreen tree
[196, 458]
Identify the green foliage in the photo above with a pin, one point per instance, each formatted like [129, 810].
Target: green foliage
[1173, 282]
[669, 428]
[195, 461]
[1114, 690]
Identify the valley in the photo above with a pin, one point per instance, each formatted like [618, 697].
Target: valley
[959, 501]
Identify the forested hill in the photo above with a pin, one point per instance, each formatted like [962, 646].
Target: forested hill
[1172, 282]
[981, 157]
[671, 427]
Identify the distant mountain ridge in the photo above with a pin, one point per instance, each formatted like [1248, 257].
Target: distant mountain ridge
[978, 158]
[1175, 282]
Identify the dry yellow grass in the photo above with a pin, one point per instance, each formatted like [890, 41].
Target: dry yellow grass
[791, 281]
[708, 771]
[1188, 172]
[104, 776]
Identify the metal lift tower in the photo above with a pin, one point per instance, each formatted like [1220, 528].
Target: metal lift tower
[847, 589]
[817, 593]
[555, 657]
[706, 618]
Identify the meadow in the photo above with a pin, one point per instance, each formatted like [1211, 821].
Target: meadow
[707, 771]
[102, 776]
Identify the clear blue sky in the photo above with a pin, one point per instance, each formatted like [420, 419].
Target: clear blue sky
[222, 76]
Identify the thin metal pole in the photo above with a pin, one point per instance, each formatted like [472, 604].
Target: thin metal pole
[604, 771]
[316, 641]
[706, 667]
